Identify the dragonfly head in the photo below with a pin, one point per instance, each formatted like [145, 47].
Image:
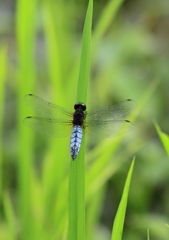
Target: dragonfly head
[80, 106]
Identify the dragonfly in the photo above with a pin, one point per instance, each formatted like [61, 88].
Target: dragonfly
[59, 122]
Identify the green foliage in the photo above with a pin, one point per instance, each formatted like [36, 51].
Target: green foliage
[120, 216]
[3, 70]
[148, 237]
[77, 168]
[163, 137]
[40, 186]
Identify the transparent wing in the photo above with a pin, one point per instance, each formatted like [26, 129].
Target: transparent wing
[46, 108]
[112, 112]
[107, 129]
[50, 127]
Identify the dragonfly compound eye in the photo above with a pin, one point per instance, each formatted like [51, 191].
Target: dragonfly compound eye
[80, 106]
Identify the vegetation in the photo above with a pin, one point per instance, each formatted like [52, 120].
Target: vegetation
[45, 50]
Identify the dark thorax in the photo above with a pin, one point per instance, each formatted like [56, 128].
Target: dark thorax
[79, 114]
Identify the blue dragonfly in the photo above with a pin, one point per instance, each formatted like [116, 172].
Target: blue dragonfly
[59, 122]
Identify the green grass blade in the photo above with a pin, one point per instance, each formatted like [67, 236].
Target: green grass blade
[163, 137]
[120, 216]
[9, 216]
[148, 234]
[108, 15]
[3, 62]
[54, 58]
[25, 27]
[54, 169]
[77, 169]
[84, 71]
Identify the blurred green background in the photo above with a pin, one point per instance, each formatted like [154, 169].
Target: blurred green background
[40, 45]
